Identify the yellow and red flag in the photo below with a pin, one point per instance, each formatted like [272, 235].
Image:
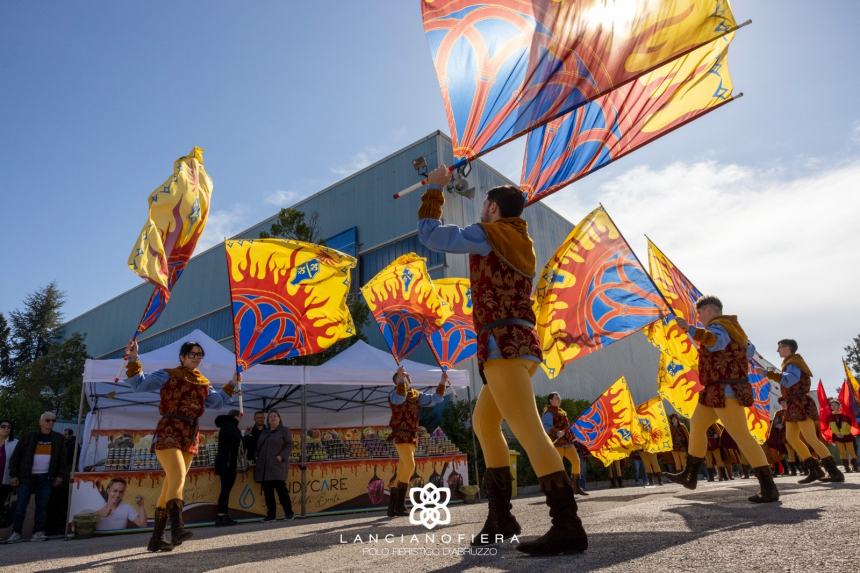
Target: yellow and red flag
[178, 210]
[852, 382]
[288, 298]
[592, 292]
[405, 304]
[758, 415]
[651, 431]
[678, 384]
[606, 427]
[456, 341]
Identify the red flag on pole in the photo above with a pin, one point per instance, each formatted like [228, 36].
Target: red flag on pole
[845, 400]
[824, 413]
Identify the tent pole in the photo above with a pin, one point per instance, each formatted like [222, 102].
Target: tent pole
[472, 430]
[304, 458]
[75, 458]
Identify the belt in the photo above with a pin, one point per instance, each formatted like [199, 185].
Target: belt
[507, 322]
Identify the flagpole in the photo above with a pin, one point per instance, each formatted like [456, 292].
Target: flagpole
[235, 341]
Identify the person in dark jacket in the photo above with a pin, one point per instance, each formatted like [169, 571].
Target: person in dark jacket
[36, 468]
[253, 434]
[226, 462]
[273, 452]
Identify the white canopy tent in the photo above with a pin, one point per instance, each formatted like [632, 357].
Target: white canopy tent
[351, 389]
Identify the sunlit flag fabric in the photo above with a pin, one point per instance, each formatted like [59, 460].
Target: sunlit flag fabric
[572, 146]
[758, 415]
[852, 381]
[405, 304]
[678, 384]
[591, 293]
[846, 400]
[651, 431]
[178, 209]
[288, 298]
[455, 341]
[606, 427]
[508, 66]
[824, 413]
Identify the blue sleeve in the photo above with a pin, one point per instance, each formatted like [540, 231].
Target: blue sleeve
[790, 376]
[750, 350]
[217, 399]
[721, 333]
[151, 382]
[452, 239]
[396, 398]
[547, 420]
[429, 398]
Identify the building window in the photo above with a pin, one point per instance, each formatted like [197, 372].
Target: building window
[374, 261]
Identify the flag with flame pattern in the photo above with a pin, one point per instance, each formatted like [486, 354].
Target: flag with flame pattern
[455, 341]
[178, 210]
[591, 293]
[606, 427]
[288, 298]
[651, 431]
[405, 304]
[758, 415]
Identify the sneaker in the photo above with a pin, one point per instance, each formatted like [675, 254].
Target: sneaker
[287, 517]
[14, 538]
[269, 518]
[39, 536]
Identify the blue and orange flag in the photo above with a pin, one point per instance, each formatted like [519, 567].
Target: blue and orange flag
[178, 210]
[651, 432]
[592, 292]
[405, 304]
[508, 66]
[455, 341]
[606, 427]
[758, 415]
[614, 125]
[288, 298]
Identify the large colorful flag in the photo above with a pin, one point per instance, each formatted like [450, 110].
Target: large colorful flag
[592, 292]
[614, 125]
[508, 66]
[456, 340]
[178, 209]
[825, 413]
[758, 415]
[288, 298]
[405, 304]
[651, 431]
[846, 401]
[678, 384]
[606, 427]
[852, 381]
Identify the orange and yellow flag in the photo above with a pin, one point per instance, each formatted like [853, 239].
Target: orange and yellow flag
[678, 384]
[852, 381]
[405, 304]
[651, 431]
[606, 427]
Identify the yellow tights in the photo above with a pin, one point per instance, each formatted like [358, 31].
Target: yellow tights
[405, 462]
[508, 395]
[805, 428]
[569, 454]
[175, 464]
[652, 466]
[734, 418]
[680, 460]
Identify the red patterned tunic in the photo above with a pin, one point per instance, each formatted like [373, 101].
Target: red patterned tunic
[680, 437]
[560, 423]
[799, 405]
[727, 366]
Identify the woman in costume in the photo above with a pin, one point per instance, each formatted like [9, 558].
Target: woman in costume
[557, 426]
[840, 429]
[406, 403]
[680, 441]
[185, 394]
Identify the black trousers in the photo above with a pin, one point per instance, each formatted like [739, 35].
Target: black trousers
[228, 478]
[269, 489]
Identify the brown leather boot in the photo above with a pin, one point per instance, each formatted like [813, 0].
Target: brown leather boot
[813, 469]
[566, 535]
[178, 533]
[501, 523]
[767, 488]
[158, 541]
[689, 477]
[577, 489]
[393, 494]
[401, 499]
[833, 473]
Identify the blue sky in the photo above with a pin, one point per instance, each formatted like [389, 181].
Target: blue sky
[99, 98]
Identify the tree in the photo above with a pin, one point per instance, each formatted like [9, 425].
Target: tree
[54, 379]
[34, 327]
[853, 355]
[294, 224]
[5, 350]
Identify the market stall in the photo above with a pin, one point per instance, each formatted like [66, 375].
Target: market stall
[337, 413]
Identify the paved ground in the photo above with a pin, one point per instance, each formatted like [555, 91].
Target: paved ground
[632, 529]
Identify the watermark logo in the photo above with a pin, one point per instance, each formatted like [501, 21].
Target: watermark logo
[430, 506]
